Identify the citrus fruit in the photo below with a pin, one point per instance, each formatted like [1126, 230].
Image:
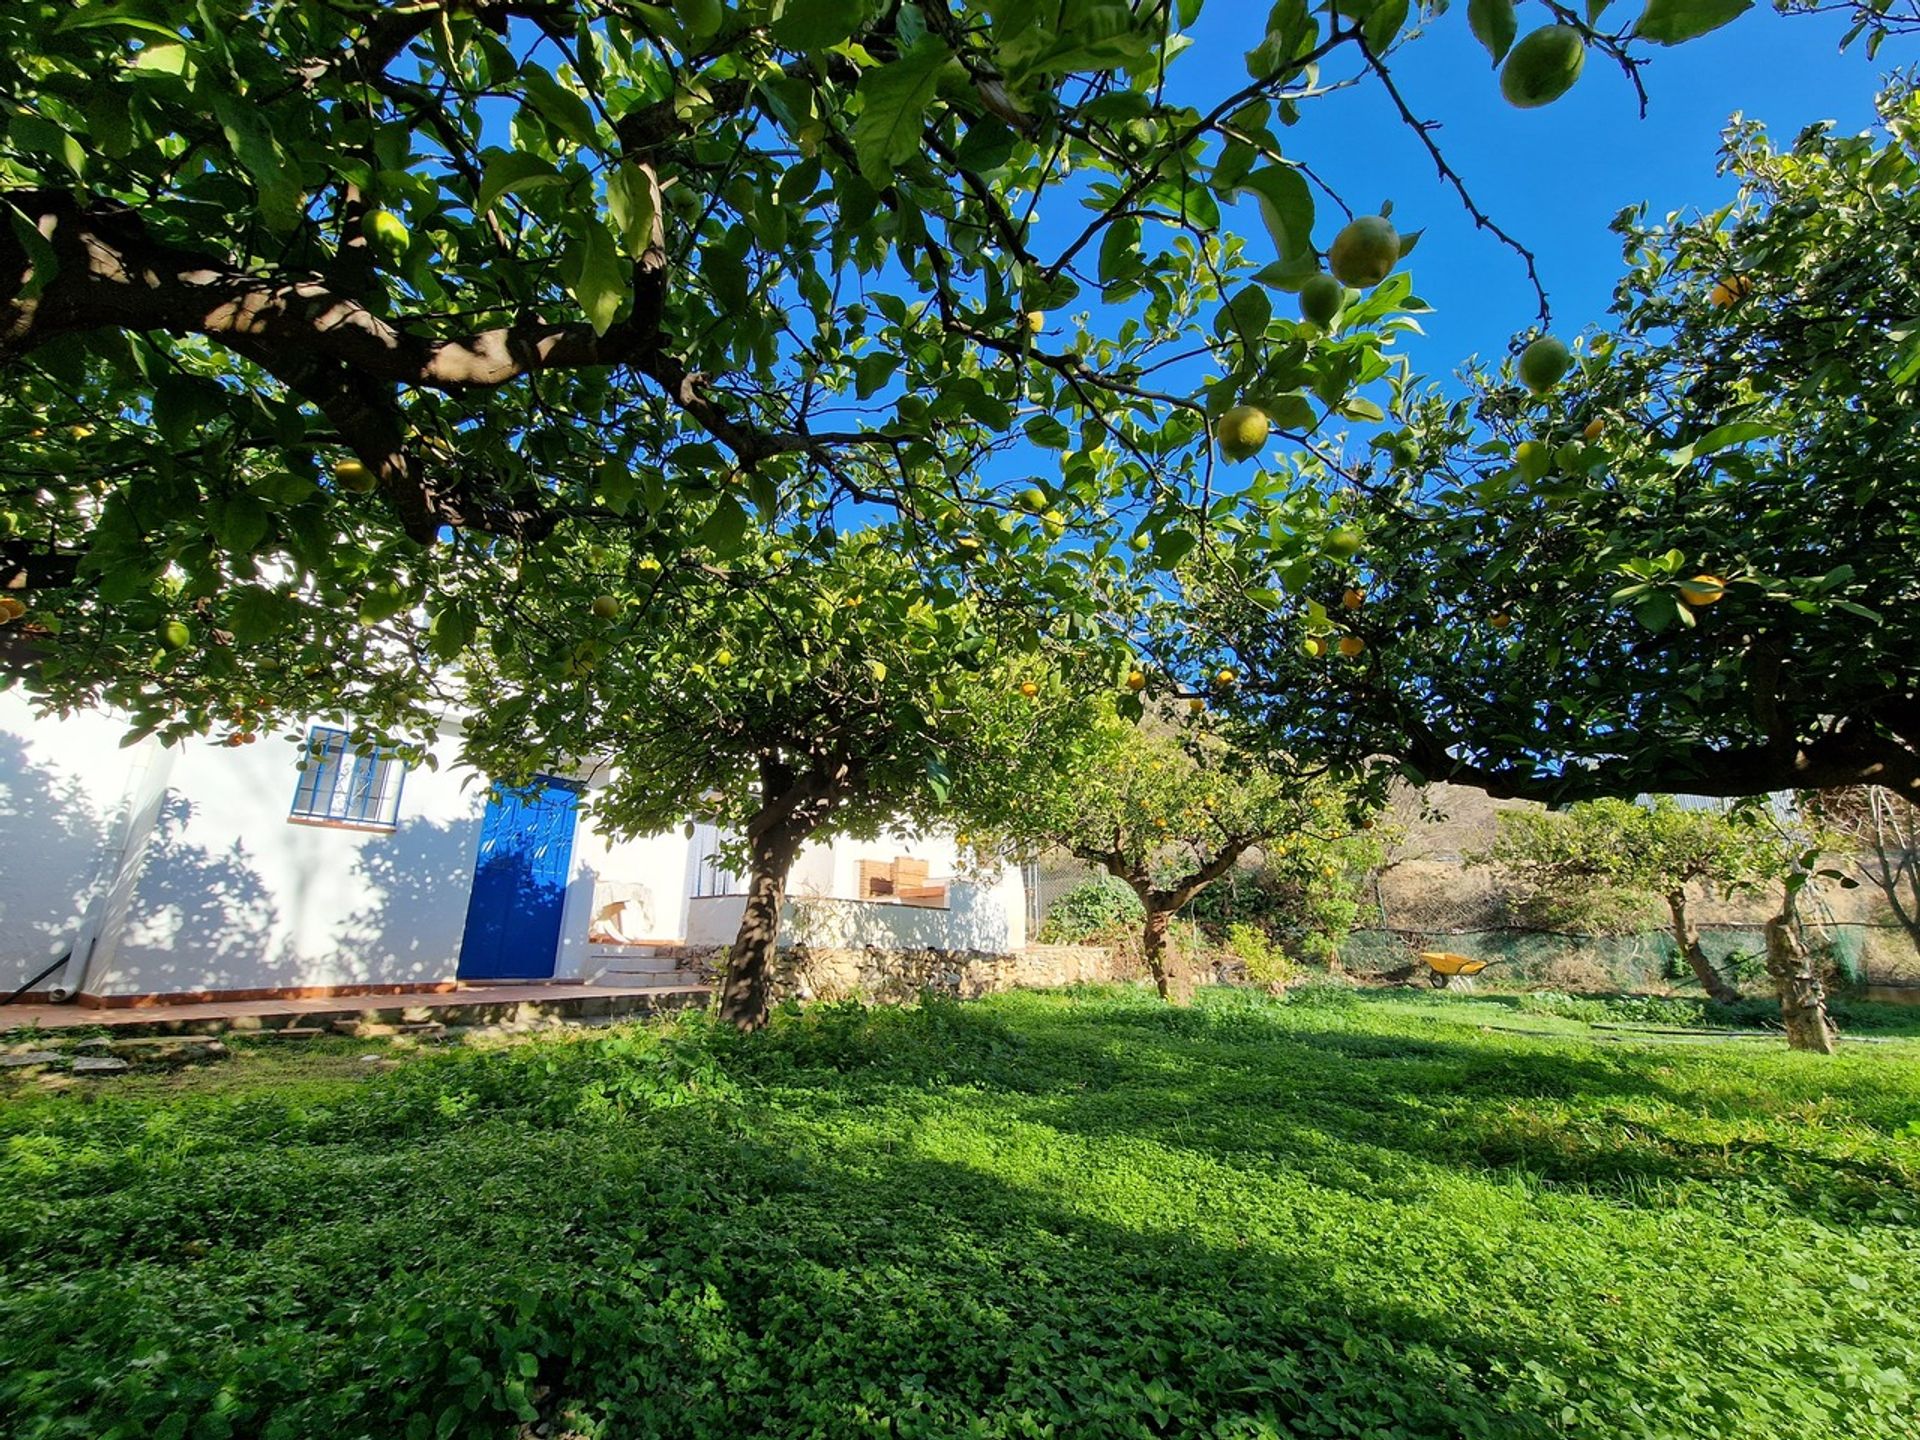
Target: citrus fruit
[1500, 622]
[1036, 321]
[1196, 705]
[387, 233]
[1729, 291]
[1703, 590]
[1224, 678]
[605, 607]
[1029, 689]
[1033, 498]
[1533, 458]
[1353, 599]
[1543, 66]
[1344, 543]
[174, 634]
[1136, 680]
[1323, 298]
[1365, 252]
[1351, 645]
[1243, 430]
[1596, 427]
[1543, 363]
[352, 476]
[1314, 646]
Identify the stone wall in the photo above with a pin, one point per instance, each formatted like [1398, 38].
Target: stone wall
[873, 973]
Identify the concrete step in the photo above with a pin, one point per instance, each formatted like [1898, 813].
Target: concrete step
[640, 965]
[478, 1005]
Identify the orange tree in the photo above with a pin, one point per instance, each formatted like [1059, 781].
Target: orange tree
[1687, 566]
[798, 696]
[1169, 805]
[1654, 852]
[312, 296]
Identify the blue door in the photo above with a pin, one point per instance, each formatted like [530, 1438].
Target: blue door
[520, 884]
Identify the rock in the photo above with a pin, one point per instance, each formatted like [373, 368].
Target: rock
[30, 1057]
[98, 1045]
[371, 1059]
[99, 1065]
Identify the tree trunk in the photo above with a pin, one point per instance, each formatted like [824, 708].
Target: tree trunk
[1803, 999]
[1154, 944]
[749, 978]
[1687, 938]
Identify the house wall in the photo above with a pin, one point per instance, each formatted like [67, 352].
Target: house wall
[986, 917]
[232, 896]
[63, 787]
[654, 874]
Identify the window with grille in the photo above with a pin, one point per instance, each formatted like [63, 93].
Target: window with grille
[341, 785]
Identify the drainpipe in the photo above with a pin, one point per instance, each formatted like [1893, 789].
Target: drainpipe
[117, 867]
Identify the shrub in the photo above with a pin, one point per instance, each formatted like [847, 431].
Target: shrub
[1092, 911]
[1267, 963]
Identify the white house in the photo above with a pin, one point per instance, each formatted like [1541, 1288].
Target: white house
[208, 870]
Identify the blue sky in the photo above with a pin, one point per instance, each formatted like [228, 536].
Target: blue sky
[1554, 177]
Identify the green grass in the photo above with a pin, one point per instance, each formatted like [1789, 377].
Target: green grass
[1072, 1215]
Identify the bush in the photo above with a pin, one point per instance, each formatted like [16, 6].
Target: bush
[1092, 911]
[1267, 963]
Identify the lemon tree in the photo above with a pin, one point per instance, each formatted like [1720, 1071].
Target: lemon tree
[1685, 565]
[1170, 805]
[785, 696]
[299, 295]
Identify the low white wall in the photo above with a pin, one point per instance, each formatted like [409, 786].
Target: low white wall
[989, 919]
[653, 874]
[63, 788]
[233, 896]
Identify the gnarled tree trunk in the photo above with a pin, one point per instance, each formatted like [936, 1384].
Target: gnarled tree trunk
[1154, 944]
[1686, 937]
[744, 991]
[793, 805]
[1803, 999]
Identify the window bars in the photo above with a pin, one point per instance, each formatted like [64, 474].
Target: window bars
[341, 784]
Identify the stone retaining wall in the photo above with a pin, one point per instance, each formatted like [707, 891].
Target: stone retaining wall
[874, 973]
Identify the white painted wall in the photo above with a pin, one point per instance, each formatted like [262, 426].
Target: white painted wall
[63, 786]
[234, 896]
[181, 867]
[652, 874]
[823, 908]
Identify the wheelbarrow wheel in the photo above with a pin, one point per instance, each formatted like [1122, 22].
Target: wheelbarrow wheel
[1439, 981]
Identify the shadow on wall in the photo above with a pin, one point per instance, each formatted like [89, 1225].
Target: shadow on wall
[409, 927]
[51, 839]
[206, 920]
[208, 911]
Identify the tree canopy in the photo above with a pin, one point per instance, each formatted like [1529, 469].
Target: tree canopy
[1688, 566]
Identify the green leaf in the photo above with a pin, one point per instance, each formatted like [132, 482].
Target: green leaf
[1286, 204]
[726, 527]
[1494, 24]
[818, 24]
[512, 171]
[1722, 437]
[255, 614]
[893, 107]
[939, 778]
[1670, 22]
[630, 204]
[559, 106]
[601, 278]
[1383, 23]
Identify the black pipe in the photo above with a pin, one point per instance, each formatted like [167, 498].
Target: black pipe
[38, 978]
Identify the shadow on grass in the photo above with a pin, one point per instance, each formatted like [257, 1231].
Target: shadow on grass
[1033, 1218]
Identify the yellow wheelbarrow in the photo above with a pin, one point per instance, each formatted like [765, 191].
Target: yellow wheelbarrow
[1443, 965]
